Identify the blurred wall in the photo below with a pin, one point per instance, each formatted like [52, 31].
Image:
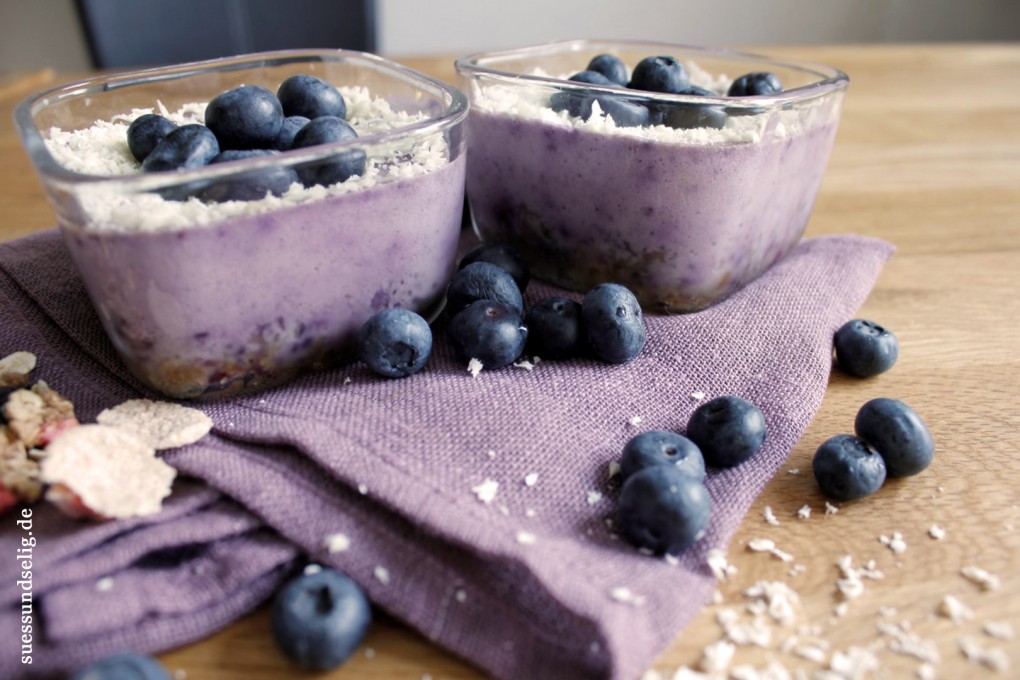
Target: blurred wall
[37, 33]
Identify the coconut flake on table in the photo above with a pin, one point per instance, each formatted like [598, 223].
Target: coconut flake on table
[162, 424]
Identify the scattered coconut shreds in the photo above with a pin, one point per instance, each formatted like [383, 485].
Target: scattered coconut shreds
[936, 532]
[486, 491]
[980, 577]
[593, 497]
[990, 657]
[460, 595]
[908, 643]
[769, 546]
[634, 421]
[894, 542]
[38, 415]
[15, 369]
[855, 662]
[1000, 630]
[531, 479]
[770, 517]
[382, 575]
[525, 364]
[106, 472]
[720, 566]
[757, 631]
[793, 471]
[954, 609]
[614, 468]
[336, 543]
[311, 569]
[474, 367]
[804, 512]
[624, 595]
[774, 598]
[926, 671]
[104, 584]
[697, 396]
[163, 424]
[851, 585]
[830, 509]
[716, 657]
[526, 538]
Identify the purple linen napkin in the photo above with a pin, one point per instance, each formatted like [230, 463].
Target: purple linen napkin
[382, 479]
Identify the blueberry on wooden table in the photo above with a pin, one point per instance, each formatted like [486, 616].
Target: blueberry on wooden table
[847, 468]
[319, 618]
[611, 66]
[185, 147]
[613, 323]
[728, 430]
[395, 342]
[898, 434]
[502, 255]
[246, 117]
[489, 332]
[662, 447]
[660, 74]
[864, 348]
[663, 510]
[124, 666]
[555, 329]
[483, 281]
[145, 132]
[311, 97]
[757, 83]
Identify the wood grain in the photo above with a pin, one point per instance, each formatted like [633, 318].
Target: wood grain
[928, 157]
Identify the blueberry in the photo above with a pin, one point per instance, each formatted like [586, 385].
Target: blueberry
[663, 510]
[319, 618]
[250, 185]
[661, 447]
[124, 666]
[624, 113]
[311, 97]
[488, 331]
[611, 67]
[189, 146]
[505, 256]
[578, 104]
[291, 125]
[660, 74]
[555, 329]
[687, 116]
[847, 468]
[395, 342]
[145, 132]
[337, 168]
[246, 117]
[759, 83]
[727, 429]
[483, 281]
[898, 433]
[613, 324]
[865, 349]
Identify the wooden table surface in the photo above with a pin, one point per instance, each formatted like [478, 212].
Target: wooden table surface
[928, 157]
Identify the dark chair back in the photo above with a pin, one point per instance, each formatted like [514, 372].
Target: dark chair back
[135, 33]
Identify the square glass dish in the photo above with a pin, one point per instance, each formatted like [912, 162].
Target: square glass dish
[208, 287]
[683, 197]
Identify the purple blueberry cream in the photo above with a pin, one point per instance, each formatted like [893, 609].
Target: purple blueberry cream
[245, 272]
[668, 184]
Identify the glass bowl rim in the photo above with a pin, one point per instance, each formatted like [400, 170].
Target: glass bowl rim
[831, 78]
[455, 111]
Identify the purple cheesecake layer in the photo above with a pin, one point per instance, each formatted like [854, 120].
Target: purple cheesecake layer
[682, 225]
[248, 302]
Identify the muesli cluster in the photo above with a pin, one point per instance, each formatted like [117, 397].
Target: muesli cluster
[99, 471]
